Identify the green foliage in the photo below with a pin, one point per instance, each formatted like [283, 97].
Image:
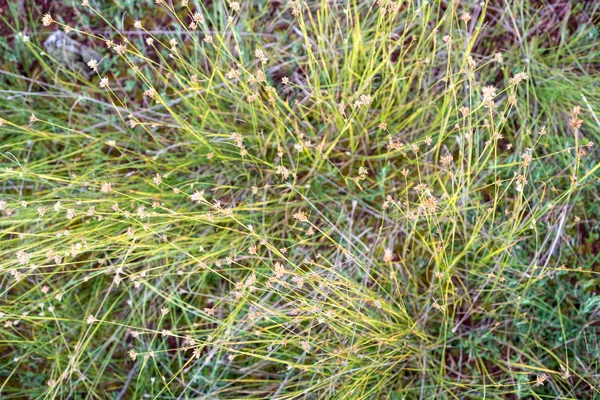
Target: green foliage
[304, 200]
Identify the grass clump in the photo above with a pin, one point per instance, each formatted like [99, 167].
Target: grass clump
[391, 199]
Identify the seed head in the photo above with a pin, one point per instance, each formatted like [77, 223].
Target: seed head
[300, 216]
[488, 92]
[104, 83]
[132, 354]
[106, 187]
[47, 19]
[305, 346]
[388, 255]
[260, 54]
[198, 196]
[93, 64]
[23, 258]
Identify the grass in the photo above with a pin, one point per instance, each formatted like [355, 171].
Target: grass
[348, 200]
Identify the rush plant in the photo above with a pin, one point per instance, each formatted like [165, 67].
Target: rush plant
[321, 199]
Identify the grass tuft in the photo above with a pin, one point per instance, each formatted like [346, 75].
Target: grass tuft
[285, 200]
